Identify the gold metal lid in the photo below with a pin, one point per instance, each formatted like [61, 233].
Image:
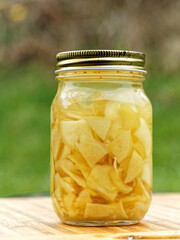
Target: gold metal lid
[100, 59]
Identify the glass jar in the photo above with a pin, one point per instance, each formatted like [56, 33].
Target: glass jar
[101, 139]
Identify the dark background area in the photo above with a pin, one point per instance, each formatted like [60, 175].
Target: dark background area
[32, 32]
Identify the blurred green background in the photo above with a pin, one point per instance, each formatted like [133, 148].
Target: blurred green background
[32, 32]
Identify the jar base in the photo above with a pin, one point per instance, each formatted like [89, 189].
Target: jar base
[101, 223]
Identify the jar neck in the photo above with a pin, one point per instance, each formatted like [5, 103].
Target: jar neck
[124, 76]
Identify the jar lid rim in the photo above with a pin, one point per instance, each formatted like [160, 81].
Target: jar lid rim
[99, 53]
[100, 57]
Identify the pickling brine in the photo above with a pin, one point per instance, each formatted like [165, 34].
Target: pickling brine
[101, 146]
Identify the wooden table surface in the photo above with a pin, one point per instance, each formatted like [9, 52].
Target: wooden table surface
[33, 218]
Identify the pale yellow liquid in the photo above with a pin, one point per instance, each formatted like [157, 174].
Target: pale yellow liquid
[101, 156]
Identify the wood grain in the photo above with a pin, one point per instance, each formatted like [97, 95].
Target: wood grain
[34, 218]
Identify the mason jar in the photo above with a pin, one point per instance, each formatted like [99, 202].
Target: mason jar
[101, 138]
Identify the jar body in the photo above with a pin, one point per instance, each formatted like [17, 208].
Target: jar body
[101, 151]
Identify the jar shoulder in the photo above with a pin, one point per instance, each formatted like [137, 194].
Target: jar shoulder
[84, 96]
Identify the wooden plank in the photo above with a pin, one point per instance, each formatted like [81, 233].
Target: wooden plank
[34, 218]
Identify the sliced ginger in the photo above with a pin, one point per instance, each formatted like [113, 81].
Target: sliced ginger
[99, 181]
[101, 157]
[134, 168]
[74, 131]
[130, 118]
[95, 211]
[81, 163]
[122, 145]
[55, 141]
[92, 151]
[100, 125]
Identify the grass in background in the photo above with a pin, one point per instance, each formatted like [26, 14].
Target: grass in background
[25, 99]
[164, 92]
[26, 93]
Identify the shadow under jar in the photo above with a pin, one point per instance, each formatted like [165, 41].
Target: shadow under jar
[101, 139]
